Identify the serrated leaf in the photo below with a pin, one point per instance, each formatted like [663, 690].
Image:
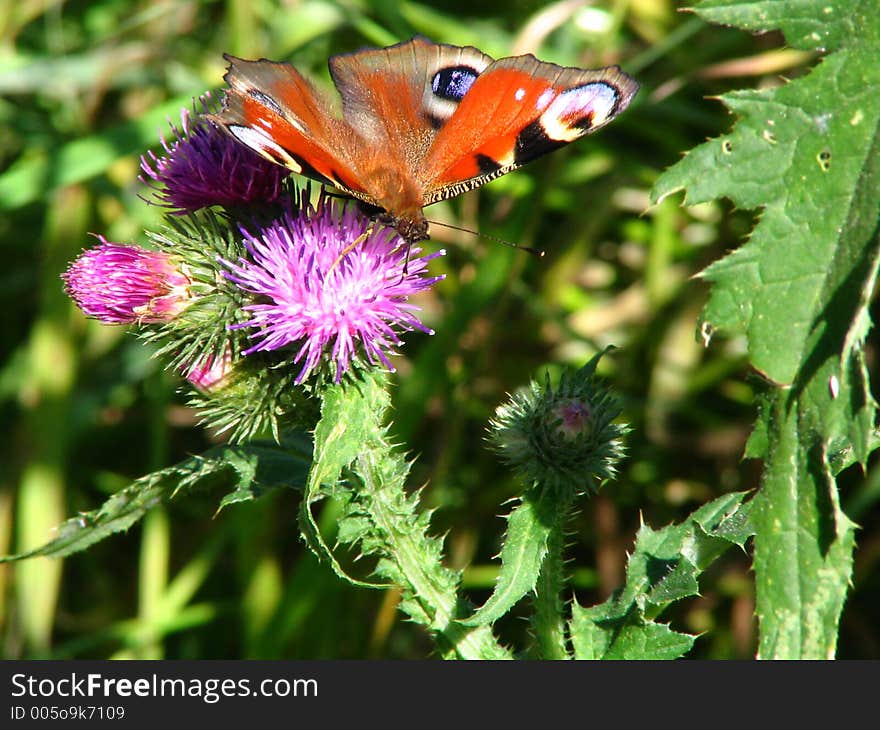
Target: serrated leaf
[522, 554]
[350, 421]
[700, 539]
[808, 154]
[595, 637]
[664, 567]
[251, 469]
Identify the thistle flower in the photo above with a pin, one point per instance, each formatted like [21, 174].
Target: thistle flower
[328, 282]
[121, 284]
[211, 371]
[561, 438]
[204, 166]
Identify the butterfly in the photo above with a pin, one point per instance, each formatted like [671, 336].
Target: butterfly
[421, 121]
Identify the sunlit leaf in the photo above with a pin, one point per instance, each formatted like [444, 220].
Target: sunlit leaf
[664, 567]
[807, 154]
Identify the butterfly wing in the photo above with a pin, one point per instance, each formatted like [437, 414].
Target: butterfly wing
[274, 110]
[421, 121]
[518, 109]
[407, 91]
[396, 99]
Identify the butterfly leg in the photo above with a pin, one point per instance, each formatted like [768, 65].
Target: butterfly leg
[348, 249]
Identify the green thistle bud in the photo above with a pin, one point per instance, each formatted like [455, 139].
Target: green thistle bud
[240, 397]
[254, 400]
[564, 438]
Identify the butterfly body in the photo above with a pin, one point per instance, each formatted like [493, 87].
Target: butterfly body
[421, 121]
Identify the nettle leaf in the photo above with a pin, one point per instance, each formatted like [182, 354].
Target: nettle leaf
[251, 471]
[807, 154]
[664, 567]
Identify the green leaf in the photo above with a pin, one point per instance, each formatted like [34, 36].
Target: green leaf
[597, 637]
[350, 421]
[522, 555]
[664, 567]
[252, 470]
[803, 544]
[808, 24]
[808, 154]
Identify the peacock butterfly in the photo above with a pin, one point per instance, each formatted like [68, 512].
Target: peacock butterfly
[421, 121]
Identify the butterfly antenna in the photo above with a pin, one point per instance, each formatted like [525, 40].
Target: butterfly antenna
[539, 252]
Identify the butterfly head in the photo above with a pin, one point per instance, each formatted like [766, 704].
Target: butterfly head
[411, 229]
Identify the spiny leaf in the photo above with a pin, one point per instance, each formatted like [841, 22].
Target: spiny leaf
[808, 154]
[664, 567]
[253, 470]
[525, 546]
[595, 637]
[350, 420]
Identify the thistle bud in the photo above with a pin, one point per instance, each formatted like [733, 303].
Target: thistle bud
[210, 372]
[122, 284]
[561, 438]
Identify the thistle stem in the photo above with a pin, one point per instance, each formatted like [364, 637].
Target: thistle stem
[426, 580]
[548, 621]
[355, 462]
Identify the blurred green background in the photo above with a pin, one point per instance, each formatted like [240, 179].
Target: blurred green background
[86, 87]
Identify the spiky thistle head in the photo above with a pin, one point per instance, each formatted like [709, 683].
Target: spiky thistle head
[203, 166]
[561, 438]
[329, 286]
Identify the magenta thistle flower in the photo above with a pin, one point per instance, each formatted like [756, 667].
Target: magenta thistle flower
[211, 371]
[121, 284]
[204, 166]
[330, 282]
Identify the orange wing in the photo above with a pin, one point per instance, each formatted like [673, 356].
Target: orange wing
[396, 99]
[421, 121]
[518, 109]
[274, 110]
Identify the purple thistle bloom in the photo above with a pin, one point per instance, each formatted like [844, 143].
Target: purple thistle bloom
[330, 276]
[204, 166]
[210, 372]
[120, 284]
